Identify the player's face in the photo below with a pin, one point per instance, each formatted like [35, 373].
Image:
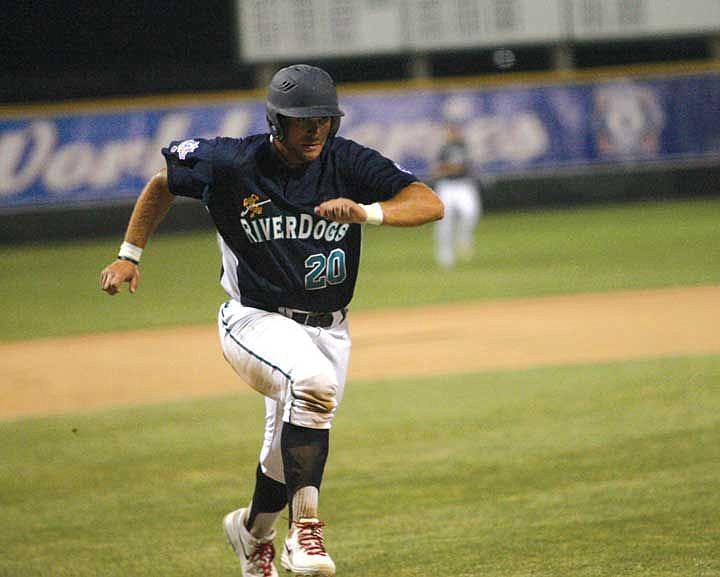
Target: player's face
[304, 139]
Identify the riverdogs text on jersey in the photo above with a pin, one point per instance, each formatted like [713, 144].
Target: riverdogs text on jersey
[300, 227]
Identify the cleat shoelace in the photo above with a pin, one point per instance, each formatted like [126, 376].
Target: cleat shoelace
[263, 557]
[310, 537]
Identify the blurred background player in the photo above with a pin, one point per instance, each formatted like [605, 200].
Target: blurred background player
[458, 188]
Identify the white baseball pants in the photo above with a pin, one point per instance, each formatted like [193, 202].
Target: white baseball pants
[456, 231]
[300, 370]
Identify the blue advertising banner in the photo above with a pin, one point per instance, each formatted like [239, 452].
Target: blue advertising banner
[95, 156]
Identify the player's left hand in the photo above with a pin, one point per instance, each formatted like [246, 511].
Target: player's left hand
[341, 210]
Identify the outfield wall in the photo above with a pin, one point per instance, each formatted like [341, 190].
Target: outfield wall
[539, 140]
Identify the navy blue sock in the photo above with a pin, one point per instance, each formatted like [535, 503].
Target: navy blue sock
[269, 496]
[304, 453]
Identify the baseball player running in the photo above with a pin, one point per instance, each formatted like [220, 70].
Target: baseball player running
[289, 208]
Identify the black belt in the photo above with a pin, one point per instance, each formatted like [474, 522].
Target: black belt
[310, 319]
[322, 320]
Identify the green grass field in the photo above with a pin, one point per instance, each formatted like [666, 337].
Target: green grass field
[54, 290]
[600, 470]
[591, 471]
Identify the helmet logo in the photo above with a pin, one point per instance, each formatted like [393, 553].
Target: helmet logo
[287, 85]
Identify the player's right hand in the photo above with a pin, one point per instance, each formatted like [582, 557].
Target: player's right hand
[343, 210]
[116, 273]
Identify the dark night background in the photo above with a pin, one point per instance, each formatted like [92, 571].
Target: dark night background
[88, 49]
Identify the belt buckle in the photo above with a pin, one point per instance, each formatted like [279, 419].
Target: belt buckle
[300, 317]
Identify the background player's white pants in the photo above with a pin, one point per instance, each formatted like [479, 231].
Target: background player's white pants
[301, 370]
[456, 231]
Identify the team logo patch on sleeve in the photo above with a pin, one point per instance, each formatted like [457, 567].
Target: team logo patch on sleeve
[185, 148]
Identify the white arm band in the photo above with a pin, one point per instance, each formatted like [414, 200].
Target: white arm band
[130, 252]
[374, 213]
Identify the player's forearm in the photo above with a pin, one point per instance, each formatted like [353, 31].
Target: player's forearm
[414, 205]
[150, 209]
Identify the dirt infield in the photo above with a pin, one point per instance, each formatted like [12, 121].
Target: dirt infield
[83, 373]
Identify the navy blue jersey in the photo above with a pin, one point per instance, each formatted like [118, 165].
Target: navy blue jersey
[276, 251]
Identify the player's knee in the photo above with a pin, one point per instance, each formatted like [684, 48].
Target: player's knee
[317, 393]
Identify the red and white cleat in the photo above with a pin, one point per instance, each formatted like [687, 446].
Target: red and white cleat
[256, 555]
[304, 552]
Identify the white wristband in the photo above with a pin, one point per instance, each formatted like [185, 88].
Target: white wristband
[130, 252]
[374, 213]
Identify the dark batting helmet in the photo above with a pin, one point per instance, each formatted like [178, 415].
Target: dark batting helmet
[301, 91]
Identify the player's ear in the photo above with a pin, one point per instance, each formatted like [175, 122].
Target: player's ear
[277, 129]
[334, 125]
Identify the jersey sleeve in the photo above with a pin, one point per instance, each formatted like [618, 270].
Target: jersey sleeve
[374, 177]
[190, 167]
